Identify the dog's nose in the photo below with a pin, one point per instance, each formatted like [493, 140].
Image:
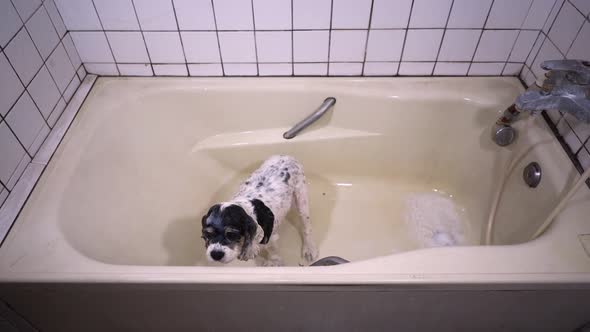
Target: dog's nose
[217, 255]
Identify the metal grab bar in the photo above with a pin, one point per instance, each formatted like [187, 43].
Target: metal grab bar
[313, 117]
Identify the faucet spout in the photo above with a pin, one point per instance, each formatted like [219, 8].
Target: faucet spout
[566, 88]
[565, 100]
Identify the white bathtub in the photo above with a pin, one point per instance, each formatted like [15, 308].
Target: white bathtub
[121, 200]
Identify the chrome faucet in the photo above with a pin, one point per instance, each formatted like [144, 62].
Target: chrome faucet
[566, 88]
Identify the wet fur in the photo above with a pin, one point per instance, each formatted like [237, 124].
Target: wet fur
[256, 212]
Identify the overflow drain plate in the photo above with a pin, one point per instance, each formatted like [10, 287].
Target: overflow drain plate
[532, 174]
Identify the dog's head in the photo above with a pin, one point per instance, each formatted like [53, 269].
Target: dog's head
[229, 232]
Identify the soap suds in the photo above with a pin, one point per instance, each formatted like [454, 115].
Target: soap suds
[433, 221]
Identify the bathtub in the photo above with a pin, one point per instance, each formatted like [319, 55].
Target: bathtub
[121, 200]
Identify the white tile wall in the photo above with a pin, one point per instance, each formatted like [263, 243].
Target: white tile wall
[135, 69]
[312, 14]
[495, 45]
[194, 14]
[55, 17]
[310, 69]
[78, 14]
[538, 14]
[566, 27]
[35, 73]
[92, 46]
[351, 14]
[44, 92]
[345, 69]
[524, 44]
[508, 14]
[272, 14]
[581, 46]
[60, 67]
[128, 47]
[201, 47]
[240, 69]
[430, 13]
[233, 14]
[385, 45]
[26, 122]
[275, 69]
[10, 22]
[380, 68]
[469, 13]
[117, 14]
[155, 14]
[274, 46]
[13, 154]
[10, 86]
[565, 34]
[459, 45]
[422, 45]
[42, 32]
[311, 46]
[23, 56]
[164, 47]
[206, 69]
[318, 32]
[170, 70]
[389, 14]
[348, 45]
[237, 46]
[416, 68]
[26, 8]
[451, 68]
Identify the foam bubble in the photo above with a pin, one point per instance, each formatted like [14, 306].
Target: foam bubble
[433, 221]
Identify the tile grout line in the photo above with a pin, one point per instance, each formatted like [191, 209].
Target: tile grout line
[25, 90]
[218, 42]
[19, 15]
[142, 37]
[302, 30]
[517, 36]
[288, 62]
[442, 39]
[577, 33]
[401, 56]
[292, 40]
[36, 73]
[330, 37]
[105, 35]
[43, 61]
[367, 38]
[539, 36]
[255, 40]
[188, 74]
[483, 29]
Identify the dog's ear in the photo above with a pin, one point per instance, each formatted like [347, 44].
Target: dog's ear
[239, 218]
[265, 218]
[250, 247]
[214, 209]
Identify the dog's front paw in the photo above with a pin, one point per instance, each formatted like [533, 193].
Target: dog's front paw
[309, 252]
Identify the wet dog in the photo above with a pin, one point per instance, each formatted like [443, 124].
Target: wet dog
[248, 223]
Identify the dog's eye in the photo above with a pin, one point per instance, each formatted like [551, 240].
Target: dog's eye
[232, 235]
[208, 235]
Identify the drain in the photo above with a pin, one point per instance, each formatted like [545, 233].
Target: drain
[532, 174]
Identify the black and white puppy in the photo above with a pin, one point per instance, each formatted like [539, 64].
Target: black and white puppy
[249, 222]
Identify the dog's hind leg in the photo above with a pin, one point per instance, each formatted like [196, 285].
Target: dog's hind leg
[309, 251]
